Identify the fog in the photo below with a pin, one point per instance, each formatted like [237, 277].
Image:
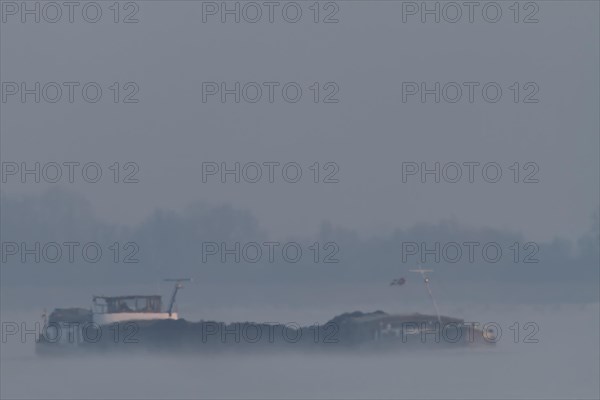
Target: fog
[563, 364]
[293, 159]
[558, 294]
[368, 133]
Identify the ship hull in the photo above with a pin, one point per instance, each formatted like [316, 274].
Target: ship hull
[349, 332]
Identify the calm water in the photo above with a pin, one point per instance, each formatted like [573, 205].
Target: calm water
[563, 364]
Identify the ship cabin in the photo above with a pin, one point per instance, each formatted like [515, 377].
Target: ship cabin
[120, 304]
[129, 308]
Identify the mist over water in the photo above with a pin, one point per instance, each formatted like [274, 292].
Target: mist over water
[498, 373]
[562, 364]
[393, 111]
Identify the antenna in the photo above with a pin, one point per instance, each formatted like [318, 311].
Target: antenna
[178, 285]
[424, 273]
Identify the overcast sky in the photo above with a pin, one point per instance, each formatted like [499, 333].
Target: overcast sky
[365, 126]
[368, 134]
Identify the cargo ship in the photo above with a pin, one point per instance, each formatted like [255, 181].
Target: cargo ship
[138, 323]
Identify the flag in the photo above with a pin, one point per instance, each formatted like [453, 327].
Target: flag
[398, 282]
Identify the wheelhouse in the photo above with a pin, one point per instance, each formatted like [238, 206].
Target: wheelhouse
[127, 304]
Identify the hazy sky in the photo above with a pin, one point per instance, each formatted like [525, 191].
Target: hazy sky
[368, 134]
[365, 126]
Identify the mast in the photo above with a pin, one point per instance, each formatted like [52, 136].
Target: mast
[178, 285]
[423, 273]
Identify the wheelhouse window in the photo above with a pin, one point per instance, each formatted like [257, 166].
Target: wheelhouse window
[128, 304]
